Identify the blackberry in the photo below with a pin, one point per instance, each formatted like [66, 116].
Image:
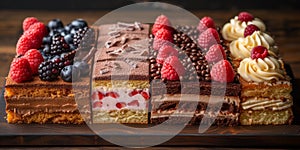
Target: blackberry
[58, 46]
[64, 59]
[87, 40]
[48, 71]
[79, 34]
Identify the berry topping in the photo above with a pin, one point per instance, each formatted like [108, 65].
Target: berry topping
[208, 38]
[26, 43]
[172, 68]
[145, 95]
[215, 53]
[245, 17]
[134, 103]
[79, 24]
[161, 22]
[112, 94]
[120, 105]
[97, 104]
[250, 29]
[48, 71]
[34, 58]
[205, 23]
[164, 52]
[20, 70]
[162, 37]
[28, 22]
[37, 31]
[83, 67]
[259, 52]
[55, 24]
[69, 73]
[57, 46]
[222, 72]
[164, 34]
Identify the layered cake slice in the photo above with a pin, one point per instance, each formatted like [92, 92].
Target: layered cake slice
[120, 86]
[182, 71]
[38, 88]
[266, 89]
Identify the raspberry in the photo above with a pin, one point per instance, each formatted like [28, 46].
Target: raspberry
[120, 105]
[34, 58]
[172, 68]
[28, 22]
[26, 43]
[164, 52]
[162, 37]
[20, 70]
[250, 29]
[259, 52]
[112, 94]
[215, 53]
[205, 23]
[245, 17]
[222, 71]
[134, 103]
[37, 31]
[164, 34]
[208, 38]
[161, 22]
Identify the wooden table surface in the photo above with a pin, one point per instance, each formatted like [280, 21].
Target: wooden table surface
[284, 25]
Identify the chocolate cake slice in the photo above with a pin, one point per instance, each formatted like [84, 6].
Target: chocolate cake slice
[120, 86]
[186, 99]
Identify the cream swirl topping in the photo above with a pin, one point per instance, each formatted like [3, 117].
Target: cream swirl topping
[241, 48]
[264, 103]
[235, 28]
[260, 70]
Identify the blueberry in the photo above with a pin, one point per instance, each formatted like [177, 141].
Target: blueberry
[72, 47]
[53, 32]
[46, 49]
[79, 23]
[69, 38]
[83, 67]
[55, 24]
[47, 40]
[70, 73]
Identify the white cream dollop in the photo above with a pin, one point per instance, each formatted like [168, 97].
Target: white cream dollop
[261, 70]
[235, 28]
[241, 48]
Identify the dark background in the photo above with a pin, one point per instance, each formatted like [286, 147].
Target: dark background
[113, 4]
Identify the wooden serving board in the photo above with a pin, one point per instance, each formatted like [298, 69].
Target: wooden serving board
[82, 135]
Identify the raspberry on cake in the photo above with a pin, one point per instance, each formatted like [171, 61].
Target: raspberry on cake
[205, 23]
[266, 90]
[36, 90]
[174, 85]
[241, 48]
[236, 27]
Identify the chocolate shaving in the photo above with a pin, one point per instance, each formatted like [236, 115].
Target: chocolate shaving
[104, 71]
[138, 25]
[114, 34]
[131, 63]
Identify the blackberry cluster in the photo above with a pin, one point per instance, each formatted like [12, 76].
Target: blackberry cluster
[48, 71]
[59, 49]
[79, 35]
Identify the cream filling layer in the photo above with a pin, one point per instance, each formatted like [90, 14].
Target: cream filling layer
[265, 103]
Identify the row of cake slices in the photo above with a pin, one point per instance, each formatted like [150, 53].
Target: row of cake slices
[266, 87]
